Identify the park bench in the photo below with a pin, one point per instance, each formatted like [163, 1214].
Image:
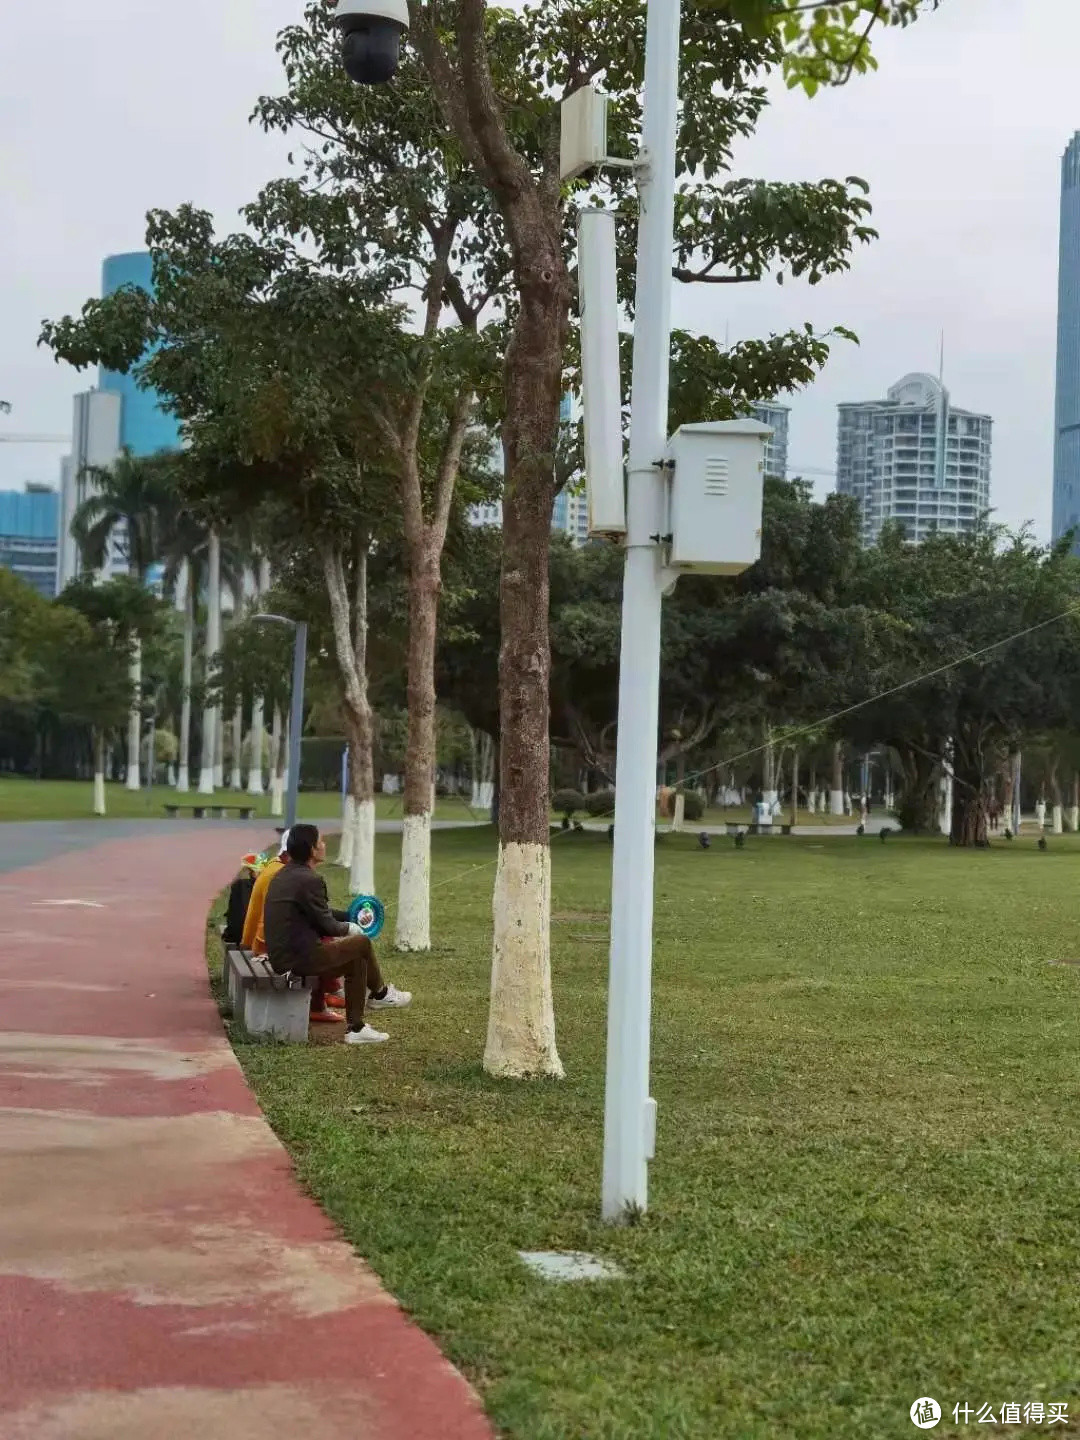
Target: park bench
[267, 1003]
[216, 812]
[732, 827]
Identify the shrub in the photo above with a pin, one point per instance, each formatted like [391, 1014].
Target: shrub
[567, 802]
[601, 802]
[693, 805]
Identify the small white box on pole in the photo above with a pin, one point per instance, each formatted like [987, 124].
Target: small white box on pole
[601, 384]
[717, 486]
[583, 119]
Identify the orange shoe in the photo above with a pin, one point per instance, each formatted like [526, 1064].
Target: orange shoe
[337, 1002]
[327, 1017]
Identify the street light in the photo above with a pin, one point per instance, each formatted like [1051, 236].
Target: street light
[296, 716]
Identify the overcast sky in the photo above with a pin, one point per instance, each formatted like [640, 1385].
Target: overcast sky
[109, 107]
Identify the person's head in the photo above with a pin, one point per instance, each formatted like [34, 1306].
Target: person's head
[306, 846]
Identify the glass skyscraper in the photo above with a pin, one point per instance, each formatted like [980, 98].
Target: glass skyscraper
[1067, 405]
[145, 428]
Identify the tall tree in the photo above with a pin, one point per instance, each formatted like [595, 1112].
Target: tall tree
[127, 507]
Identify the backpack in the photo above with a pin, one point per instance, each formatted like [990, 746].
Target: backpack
[236, 910]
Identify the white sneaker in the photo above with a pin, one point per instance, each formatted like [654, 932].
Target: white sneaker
[365, 1036]
[394, 999]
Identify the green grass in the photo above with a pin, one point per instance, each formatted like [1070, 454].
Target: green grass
[73, 800]
[865, 1187]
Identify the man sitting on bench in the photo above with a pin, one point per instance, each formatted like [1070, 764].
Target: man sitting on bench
[326, 1000]
[304, 938]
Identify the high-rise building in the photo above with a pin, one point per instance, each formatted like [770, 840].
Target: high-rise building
[117, 416]
[29, 525]
[771, 412]
[1067, 405]
[914, 458]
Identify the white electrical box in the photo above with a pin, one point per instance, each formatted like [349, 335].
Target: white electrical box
[583, 131]
[717, 482]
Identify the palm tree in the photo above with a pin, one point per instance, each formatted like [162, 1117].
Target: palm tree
[194, 559]
[126, 506]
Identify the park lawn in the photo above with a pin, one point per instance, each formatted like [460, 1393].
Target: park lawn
[22, 799]
[865, 1187]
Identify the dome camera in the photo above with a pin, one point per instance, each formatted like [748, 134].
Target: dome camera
[371, 32]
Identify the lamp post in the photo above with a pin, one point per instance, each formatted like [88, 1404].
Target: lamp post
[629, 1114]
[296, 715]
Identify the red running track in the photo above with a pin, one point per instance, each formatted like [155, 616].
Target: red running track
[162, 1276]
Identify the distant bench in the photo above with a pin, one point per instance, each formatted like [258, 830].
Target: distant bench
[264, 1001]
[216, 812]
[733, 828]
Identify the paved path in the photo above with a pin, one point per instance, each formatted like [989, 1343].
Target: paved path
[162, 1276]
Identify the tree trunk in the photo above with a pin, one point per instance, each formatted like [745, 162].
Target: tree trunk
[521, 1019]
[236, 778]
[350, 627]
[348, 830]
[258, 706]
[277, 765]
[99, 772]
[836, 795]
[794, 789]
[134, 741]
[970, 821]
[413, 929]
[183, 780]
[917, 807]
[768, 769]
[1074, 808]
[1057, 813]
[211, 715]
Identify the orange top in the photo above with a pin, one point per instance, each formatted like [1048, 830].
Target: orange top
[254, 936]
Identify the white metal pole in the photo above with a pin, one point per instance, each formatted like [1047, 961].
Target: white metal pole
[628, 1111]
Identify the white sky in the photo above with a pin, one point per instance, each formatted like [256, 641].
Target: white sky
[109, 107]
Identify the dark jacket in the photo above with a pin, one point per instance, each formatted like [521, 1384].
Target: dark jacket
[298, 917]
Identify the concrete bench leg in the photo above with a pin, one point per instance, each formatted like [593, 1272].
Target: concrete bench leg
[282, 1013]
[236, 991]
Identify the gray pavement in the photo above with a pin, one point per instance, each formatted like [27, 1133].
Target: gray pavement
[33, 842]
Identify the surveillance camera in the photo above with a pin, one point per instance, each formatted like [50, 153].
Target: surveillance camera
[371, 33]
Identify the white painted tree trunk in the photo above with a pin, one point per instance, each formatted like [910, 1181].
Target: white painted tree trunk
[348, 833]
[487, 795]
[678, 820]
[236, 779]
[256, 741]
[521, 1019]
[836, 802]
[211, 717]
[134, 742]
[1057, 823]
[811, 802]
[413, 928]
[362, 865]
[1040, 813]
[99, 774]
[219, 748]
[183, 780]
[277, 782]
[1074, 818]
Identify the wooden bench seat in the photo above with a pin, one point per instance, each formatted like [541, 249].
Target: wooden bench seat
[267, 1003]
